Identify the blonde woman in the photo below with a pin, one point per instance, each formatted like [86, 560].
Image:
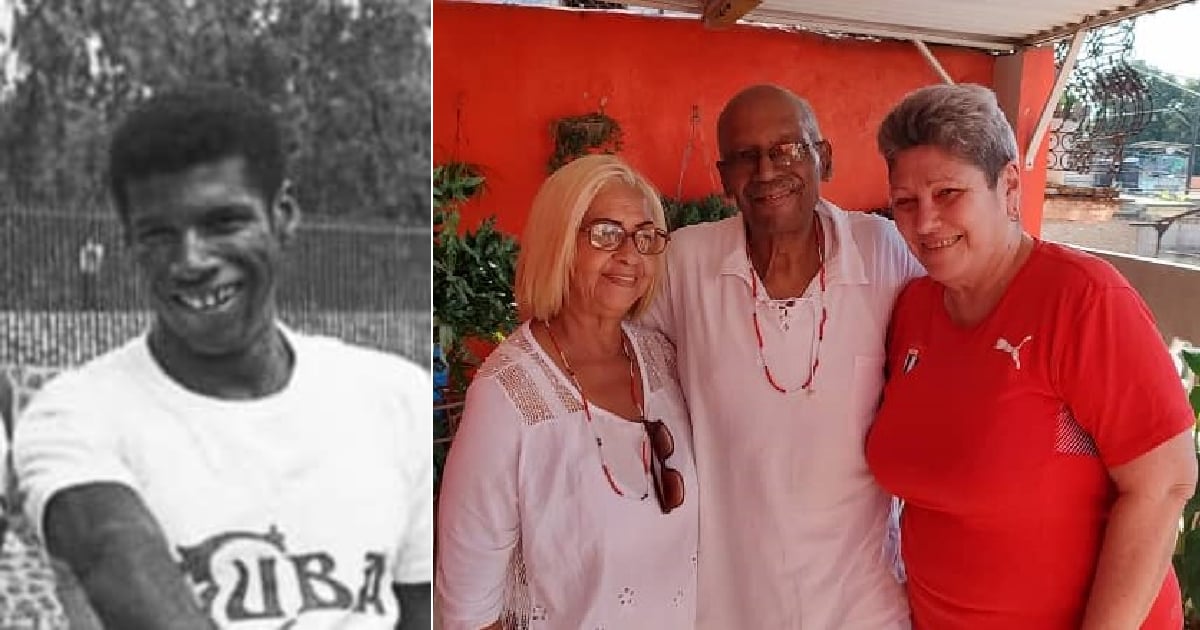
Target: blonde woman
[568, 497]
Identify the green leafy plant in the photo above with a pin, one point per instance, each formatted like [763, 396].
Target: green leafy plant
[472, 274]
[1187, 552]
[455, 183]
[689, 212]
[577, 136]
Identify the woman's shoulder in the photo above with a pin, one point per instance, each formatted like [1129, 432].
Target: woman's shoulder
[1067, 269]
[516, 352]
[651, 342]
[516, 374]
[658, 353]
[918, 290]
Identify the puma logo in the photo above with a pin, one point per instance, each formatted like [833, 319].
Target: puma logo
[1002, 344]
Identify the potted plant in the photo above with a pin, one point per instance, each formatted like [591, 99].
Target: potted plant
[577, 136]
[472, 290]
[689, 212]
[1187, 550]
[472, 293]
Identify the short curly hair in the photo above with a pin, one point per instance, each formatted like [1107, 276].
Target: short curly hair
[179, 129]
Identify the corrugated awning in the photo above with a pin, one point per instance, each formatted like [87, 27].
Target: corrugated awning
[998, 25]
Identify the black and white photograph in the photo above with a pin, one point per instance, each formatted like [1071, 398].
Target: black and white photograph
[215, 314]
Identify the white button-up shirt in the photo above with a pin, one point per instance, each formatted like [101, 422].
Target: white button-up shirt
[792, 524]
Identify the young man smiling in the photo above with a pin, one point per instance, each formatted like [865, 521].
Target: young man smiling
[223, 471]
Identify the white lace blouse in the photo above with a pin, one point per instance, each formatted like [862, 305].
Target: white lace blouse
[530, 530]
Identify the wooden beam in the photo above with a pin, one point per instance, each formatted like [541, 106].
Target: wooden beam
[933, 61]
[723, 13]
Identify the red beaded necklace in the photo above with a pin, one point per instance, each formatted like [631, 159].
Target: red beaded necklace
[588, 413]
[816, 360]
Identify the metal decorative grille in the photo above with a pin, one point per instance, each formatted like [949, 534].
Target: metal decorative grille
[1105, 103]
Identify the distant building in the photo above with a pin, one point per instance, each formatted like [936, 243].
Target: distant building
[1152, 166]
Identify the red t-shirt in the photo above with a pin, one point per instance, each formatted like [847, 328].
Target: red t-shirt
[999, 436]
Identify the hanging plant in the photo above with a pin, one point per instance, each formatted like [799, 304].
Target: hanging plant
[455, 183]
[577, 136]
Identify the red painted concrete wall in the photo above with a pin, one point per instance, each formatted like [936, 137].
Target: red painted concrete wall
[502, 74]
[1037, 79]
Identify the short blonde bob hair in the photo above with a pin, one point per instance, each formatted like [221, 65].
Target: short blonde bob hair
[548, 243]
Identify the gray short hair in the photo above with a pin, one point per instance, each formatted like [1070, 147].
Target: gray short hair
[964, 120]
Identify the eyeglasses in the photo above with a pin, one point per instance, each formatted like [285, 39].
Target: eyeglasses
[782, 155]
[668, 482]
[608, 236]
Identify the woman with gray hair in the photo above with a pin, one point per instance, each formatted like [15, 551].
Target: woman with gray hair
[1032, 421]
[564, 500]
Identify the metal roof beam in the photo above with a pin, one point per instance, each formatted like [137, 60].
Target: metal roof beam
[1103, 18]
[780, 17]
[892, 31]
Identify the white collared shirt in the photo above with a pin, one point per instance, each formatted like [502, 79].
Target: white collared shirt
[792, 524]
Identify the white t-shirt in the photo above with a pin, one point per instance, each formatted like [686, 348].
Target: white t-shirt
[792, 525]
[531, 532]
[304, 506]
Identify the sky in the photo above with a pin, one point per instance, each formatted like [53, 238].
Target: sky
[1166, 39]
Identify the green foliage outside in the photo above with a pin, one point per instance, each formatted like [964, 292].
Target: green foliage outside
[1187, 552]
[1174, 110]
[349, 80]
[689, 212]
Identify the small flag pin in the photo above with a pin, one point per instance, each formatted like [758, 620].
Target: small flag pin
[910, 360]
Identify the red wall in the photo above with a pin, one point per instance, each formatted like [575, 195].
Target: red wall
[502, 74]
[1037, 79]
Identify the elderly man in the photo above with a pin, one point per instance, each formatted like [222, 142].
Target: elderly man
[779, 315]
[223, 471]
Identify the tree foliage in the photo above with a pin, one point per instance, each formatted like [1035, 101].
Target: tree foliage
[1175, 110]
[349, 79]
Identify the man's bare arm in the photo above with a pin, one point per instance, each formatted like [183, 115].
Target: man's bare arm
[415, 604]
[116, 549]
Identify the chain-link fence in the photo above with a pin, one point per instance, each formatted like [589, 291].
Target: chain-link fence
[68, 290]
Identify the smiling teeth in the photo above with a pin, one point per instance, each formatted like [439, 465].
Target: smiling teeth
[942, 243]
[209, 300]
